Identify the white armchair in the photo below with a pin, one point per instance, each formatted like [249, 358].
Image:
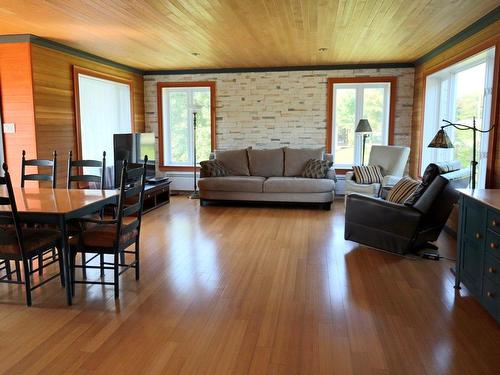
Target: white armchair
[392, 162]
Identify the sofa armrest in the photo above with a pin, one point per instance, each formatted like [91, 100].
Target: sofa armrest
[390, 181]
[331, 175]
[381, 215]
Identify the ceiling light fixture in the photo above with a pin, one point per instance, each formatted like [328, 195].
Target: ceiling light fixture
[322, 49]
[195, 54]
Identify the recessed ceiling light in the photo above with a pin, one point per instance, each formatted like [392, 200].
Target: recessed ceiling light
[322, 49]
[195, 54]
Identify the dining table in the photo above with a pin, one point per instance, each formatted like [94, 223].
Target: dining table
[57, 207]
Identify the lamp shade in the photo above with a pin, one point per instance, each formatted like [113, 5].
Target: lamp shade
[441, 140]
[363, 126]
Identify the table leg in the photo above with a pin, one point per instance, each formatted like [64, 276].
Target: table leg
[66, 254]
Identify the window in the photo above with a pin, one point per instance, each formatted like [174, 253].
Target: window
[104, 108]
[458, 94]
[178, 102]
[352, 99]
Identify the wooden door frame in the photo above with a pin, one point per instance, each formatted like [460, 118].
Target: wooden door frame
[76, 91]
[213, 135]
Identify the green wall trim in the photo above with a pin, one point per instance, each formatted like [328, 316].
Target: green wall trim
[477, 26]
[15, 38]
[280, 69]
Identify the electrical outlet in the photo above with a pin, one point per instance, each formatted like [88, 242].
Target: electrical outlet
[9, 128]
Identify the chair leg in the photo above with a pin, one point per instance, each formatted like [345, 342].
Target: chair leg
[84, 269]
[72, 262]
[101, 257]
[117, 277]
[40, 265]
[18, 272]
[137, 269]
[8, 270]
[27, 282]
[61, 267]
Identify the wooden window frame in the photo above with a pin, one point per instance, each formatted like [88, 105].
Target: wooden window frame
[495, 105]
[76, 88]
[213, 136]
[393, 80]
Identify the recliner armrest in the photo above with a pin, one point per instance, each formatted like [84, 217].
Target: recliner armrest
[381, 215]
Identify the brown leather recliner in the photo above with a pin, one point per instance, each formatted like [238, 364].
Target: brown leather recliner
[402, 228]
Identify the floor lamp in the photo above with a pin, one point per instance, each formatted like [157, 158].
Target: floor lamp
[441, 140]
[195, 194]
[365, 129]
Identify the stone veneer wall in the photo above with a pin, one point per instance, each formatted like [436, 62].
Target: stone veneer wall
[275, 109]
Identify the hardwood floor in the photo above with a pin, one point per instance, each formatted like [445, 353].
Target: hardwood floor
[254, 290]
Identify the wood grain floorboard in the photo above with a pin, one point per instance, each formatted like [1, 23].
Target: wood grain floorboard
[235, 290]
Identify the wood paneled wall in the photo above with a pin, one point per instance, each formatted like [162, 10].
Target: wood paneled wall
[481, 40]
[17, 104]
[54, 101]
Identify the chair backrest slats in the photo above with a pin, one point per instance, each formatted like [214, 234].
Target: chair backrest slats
[132, 209]
[39, 163]
[4, 201]
[132, 186]
[37, 177]
[81, 177]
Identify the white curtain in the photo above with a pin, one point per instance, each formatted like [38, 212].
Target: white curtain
[104, 111]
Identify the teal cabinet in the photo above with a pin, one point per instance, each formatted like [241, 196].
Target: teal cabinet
[478, 255]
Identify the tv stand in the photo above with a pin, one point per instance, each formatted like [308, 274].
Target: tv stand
[156, 195]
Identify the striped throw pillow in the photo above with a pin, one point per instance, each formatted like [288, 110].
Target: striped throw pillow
[367, 174]
[402, 190]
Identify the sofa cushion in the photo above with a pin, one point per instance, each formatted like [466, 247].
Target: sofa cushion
[235, 161]
[213, 168]
[316, 168]
[251, 184]
[266, 163]
[298, 185]
[296, 159]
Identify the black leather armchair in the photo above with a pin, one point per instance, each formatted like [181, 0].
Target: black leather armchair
[400, 228]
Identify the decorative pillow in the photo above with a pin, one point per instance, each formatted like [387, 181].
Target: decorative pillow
[266, 163]
[296, 159]
[316, 168]
[367, 174]
[235, 161]
[213, 168]
[402, 190]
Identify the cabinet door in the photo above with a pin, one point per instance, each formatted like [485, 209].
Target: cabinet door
[474, 220]
[472, 265]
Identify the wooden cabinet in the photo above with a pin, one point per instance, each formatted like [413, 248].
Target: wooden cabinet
[478, 260]
[156, 195]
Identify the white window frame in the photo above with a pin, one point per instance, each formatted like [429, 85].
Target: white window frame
[359, 87]
[166, 141]
[434, 110]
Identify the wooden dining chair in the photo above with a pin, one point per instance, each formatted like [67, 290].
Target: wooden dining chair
[21, 243]
[81, 177]
[82, 180]
[52, 164]
[50, 177]
[115, 236]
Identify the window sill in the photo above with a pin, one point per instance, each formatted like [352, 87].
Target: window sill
[177, 168]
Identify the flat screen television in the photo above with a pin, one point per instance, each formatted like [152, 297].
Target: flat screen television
[133, 147]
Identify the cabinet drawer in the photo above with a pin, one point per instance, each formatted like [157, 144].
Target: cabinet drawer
[490, 298]
[494, 220]
[492, 244]
[492, 268]
[473, 220]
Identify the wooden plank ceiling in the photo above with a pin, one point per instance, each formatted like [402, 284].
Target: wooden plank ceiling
[245, 33]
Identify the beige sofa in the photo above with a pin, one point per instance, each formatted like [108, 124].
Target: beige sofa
[268, 176]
